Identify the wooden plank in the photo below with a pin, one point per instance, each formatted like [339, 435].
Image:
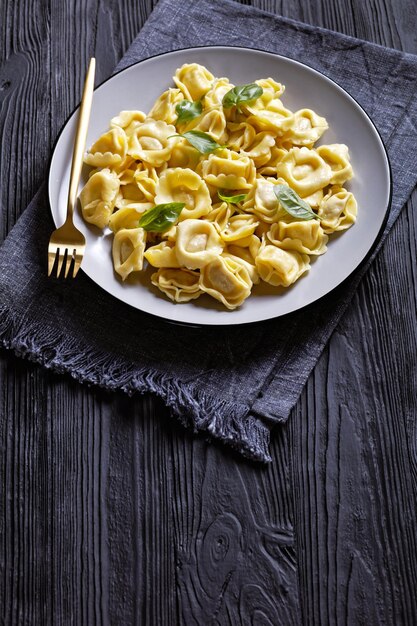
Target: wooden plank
[353, 432]
[110, 513]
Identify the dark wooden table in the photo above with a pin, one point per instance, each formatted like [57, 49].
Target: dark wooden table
[109, 512]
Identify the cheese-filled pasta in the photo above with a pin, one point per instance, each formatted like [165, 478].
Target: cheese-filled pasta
[184, 185]
[162, 255]
[239, 227]
[183, 155]
[164, 107]
[241, 135]
[304, 170]
[126, 120]
[212, 122]
[110, 149]
[193, 80]
[146, 178]
[271, 90]
[263, 202]
[237, 254]
[150, 143]
[197, 243]
[226, 280]
[99, 196]
[307, 127]
[227, 169]
[273, 118]
[260, 150]
[220, 187]
[220, 215]
[127, 217]
[214, 96]
[337, 156]
[128, 249]
[306, 237]
[280, 268]
[180, 285]
[338, 210]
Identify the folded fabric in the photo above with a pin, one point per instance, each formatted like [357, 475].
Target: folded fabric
[232, 390]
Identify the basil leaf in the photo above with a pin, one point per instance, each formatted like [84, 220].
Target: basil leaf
[232, 199]
[187, 110]
[293, 204]
[240, 94]
[200, 141]
[161, 217]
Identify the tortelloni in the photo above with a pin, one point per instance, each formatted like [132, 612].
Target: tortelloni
[128, 249]
[162, 255]
[179, 285]
[241, 255]
[98, 197]
[183, 155]
[212, 122]
[150, 142]
[338, 210]
[274, 118]
[184, 185]
[127, 119]
[263, 202]
[128, 217]
[306, 237]
[218, 89]
[193, 80]
[281, 268]
[239, 229]
[307, 127]
[226, 280]
[227, 169]
[164, 107]
[305, 171]
[219, 197]
[110, 149]
[198, 243]
[220, 215]
[337, 157]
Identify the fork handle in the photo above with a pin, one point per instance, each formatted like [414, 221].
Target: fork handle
[80, 137]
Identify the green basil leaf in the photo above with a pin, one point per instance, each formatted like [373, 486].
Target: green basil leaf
[188, 110]
[200, 141]
[240, 94]
[161, 217]
[232, 199]
[293, 204]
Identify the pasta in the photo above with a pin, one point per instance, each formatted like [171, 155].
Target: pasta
[218, 187]
[128, 249]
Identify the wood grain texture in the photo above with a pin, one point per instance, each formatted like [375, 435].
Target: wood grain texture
[110, 513]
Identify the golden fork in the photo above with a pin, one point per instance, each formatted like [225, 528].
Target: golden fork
[67, 244]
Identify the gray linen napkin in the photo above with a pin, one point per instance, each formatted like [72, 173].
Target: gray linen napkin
[234, 390]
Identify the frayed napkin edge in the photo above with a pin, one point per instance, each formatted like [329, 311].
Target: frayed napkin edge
[200, 413]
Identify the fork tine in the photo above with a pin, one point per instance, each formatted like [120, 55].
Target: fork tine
[70, 258]
[77, 264]
[61, 259]
[51, 261]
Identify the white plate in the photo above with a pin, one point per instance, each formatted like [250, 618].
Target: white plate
[139, 85]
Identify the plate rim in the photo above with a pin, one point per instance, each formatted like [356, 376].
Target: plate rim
[225, 323]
